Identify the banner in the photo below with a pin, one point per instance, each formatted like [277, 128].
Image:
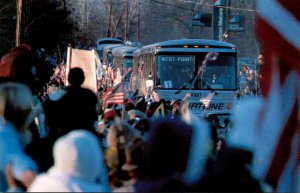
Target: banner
[219, 18]
[86, 60]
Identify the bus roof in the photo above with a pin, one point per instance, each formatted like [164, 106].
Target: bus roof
[200, 42]
[108, 41]
[110, 47]
[124, 51]
[137, 52]
[174, 45]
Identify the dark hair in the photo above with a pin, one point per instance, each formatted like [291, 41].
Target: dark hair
[141, 104]
[54, 83]
[168, 147]
[21, 65]
[129, 106]
[76, 76]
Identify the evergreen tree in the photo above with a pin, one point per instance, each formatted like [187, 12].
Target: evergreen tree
[47, 24]
[8, 25]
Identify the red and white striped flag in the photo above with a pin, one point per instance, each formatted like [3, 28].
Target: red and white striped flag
[112, 71]
[114, 95]
[277, 153]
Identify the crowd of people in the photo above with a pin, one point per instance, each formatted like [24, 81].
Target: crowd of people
[249, 81]
[67, 141]
[62, 138]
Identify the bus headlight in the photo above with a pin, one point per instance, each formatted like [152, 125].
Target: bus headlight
[229, 106]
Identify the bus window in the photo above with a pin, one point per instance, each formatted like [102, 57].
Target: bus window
[219, 74]
[173, 70]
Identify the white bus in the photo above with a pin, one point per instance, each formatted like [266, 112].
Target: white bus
[102, 42]
[173, 66]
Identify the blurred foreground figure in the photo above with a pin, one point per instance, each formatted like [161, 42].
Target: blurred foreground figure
[78, 166]
[271, 129]
[15, 105]
[66, 110]
[176, 153]
[21, 65]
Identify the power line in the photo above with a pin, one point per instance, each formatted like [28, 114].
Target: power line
[204, 4]
[227, 7]
[173, 5]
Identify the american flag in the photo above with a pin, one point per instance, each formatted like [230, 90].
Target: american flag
[277, 154]
[112, 71]
[105, 95]
[114, 95]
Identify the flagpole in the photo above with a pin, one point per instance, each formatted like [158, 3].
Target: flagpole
[122, 84]
[213, 94]
[123, 105]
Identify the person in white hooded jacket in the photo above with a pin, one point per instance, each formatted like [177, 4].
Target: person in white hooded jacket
[78, 166]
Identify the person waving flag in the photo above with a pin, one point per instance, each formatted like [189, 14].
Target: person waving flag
[114, 95]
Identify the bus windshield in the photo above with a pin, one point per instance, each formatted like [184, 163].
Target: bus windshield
[179, 72]
[173, 70]
[127, 62]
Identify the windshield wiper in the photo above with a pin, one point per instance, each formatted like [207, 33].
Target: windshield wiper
[184, 85]
[191, 83]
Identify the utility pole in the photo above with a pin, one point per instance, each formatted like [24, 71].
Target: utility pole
[122, 12]
[19, 4]
[126, 21]
[193, 8]
[138, 23]
[109, 20]
[86, 18]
